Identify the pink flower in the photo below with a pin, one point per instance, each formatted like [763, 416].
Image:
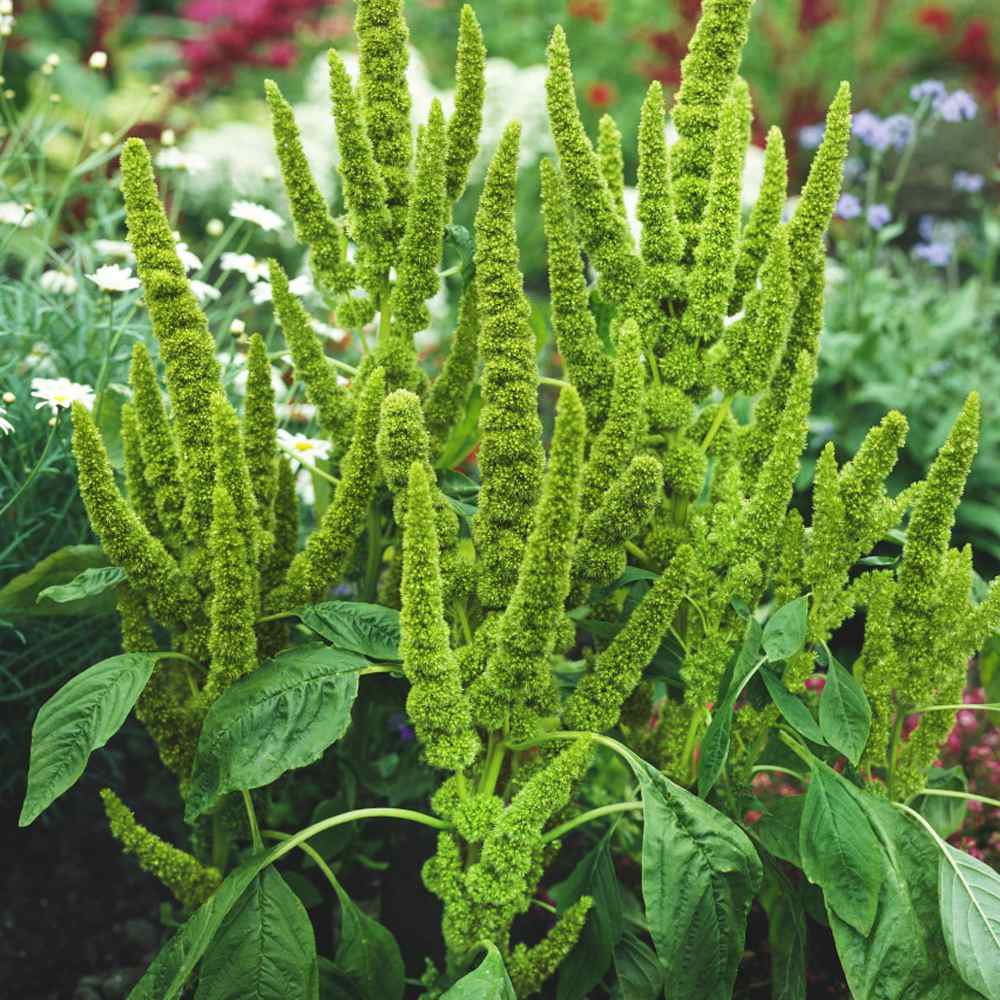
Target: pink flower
[967, 720]
[816, 683]
[752, 816]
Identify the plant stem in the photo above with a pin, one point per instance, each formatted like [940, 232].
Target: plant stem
[313, 853]
[557, 382]
[720, 415]
[988, 707]
[313, 469]
[563, 828]
[960, 795]
[374, 560]
[252, 819]
[764, 768]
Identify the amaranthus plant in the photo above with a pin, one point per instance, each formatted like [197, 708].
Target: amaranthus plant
[645, 587]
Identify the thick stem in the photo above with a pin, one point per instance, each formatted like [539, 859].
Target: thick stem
[564, 828]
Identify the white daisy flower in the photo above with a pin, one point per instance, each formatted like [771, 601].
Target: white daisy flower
[172, 158]
[248, 265]
[190, 260]
[114, 278]
[58, 282]
[13, 213]
[296, 413]
[307, 450]
[301, 286]
[60, 393]
[121, 249]
[250, 211]
[98, 60]
[260, 293]
[5, 425]
[204, 292]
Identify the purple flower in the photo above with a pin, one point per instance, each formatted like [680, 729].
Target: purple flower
[958, 106]
[854, 167]
[810, 136]
[934, 89]
[881, 134]
[926, 228]
[970, 183]
[936, 254]
[878, 216]
[848, 207]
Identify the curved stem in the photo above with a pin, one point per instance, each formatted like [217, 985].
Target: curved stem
[313, 469]
[988, 707]
[313, 853]
[960, 795]
[571, 824]
[765, 768]
[252, 819]
[557, 382]
[713, 429]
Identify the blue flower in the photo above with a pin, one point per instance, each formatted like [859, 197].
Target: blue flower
[894, 132]
[970, 183]
[848, 207]
[936, 254]
[934, 89]
[958, 106]
[810, 136]
[878, 216]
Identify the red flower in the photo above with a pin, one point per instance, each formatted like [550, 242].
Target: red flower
[936, 18]
[600, 95]
[813, 13]
[974, 48]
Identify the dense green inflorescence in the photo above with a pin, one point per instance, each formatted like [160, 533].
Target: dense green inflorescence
[616, 577]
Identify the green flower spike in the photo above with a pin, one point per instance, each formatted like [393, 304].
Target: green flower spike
[754, 343]
[927, 537]
[190, 881]
[232, 471]
[133, 620]
[139, 493]
[420, 252]
[519, 672]
[596, 703]
[587, 366]
[186, 346]
[273, 636]
[234, 607]
[613, 448]
[365, 191]
[446, 399]
[500, 883]
[259, 429]
[159, 450]
[466, 121]
[755, 240]
[436, 703]
[127, 543]
[510, 452]
[531, 967]
[819, 196]
[707, 75]
[332, 401]
[757, 440]
[383, 48]
[604, 233]
[713, 275]
[609, 152]
[331, 545]
[624, 509]
[314, 225]
[662, 243]
[760, 521]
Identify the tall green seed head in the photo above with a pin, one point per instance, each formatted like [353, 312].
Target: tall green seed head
[466, 121]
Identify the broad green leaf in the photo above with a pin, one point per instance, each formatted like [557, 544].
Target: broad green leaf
[488, 981]
[591, 957]
[779, 825]
[785, 631]
[368, 629]
[944, 813]
[172, 967]
[19, 598]
[786, 935]
[640, 975]
[903, 956]
[969, 892]
[265, 949]
[461, 492]
[839, 850]
[743, 663]
[79, 719]
[699, 876]
[89, 583]
[367, 955]
[792, 708]
[280, 717]
[845, 717]
[459, 239]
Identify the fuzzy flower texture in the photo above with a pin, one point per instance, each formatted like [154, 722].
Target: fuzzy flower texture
[648, 467]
